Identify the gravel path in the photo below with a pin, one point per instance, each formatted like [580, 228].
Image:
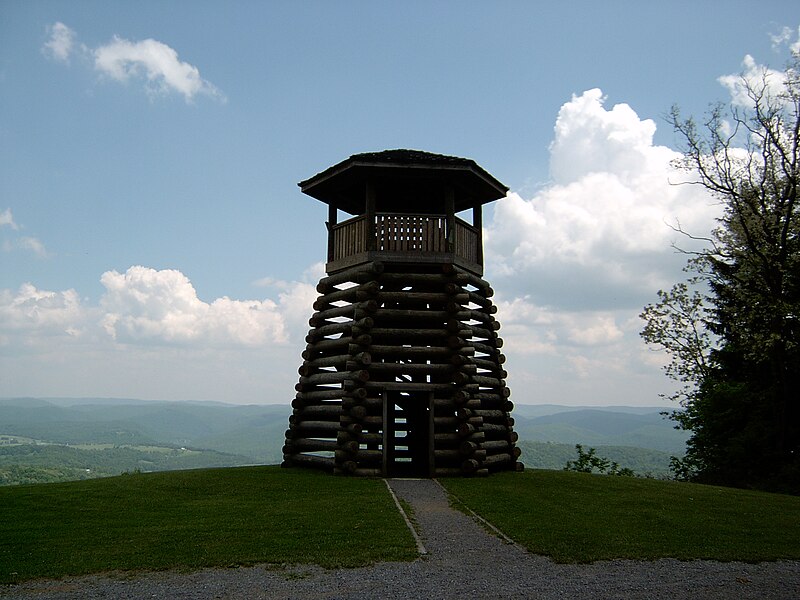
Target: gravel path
[463, 561]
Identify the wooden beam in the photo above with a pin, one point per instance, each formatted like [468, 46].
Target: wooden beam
[477, 223]
[310, 460]
[369, 212]
[332, 220]
[356, 274]
[450, 211]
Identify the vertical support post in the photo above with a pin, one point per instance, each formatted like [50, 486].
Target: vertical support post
[388, 435]
[450, 211]
[370, 216]
[477, 223]
[333, 217]
[431, 438]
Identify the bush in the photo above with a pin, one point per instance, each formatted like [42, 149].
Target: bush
[588, 461]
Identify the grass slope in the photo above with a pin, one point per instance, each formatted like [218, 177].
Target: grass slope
[577, 517]
[238, 516]
[194, 519]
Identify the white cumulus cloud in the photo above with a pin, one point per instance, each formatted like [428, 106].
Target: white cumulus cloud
[150, 336]
[60, 44]
[530, 328]
[48, 312]
[575, 263]
[144, 304]
[788, 37]
[598, 236]
[154, 62]
[753, 76]
[591, 139]
[296, 298]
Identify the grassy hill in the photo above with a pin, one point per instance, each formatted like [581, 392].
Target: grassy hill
[193, 519]
[579, 517]
[229, 517]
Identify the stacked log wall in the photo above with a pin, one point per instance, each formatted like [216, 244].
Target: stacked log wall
[424, 337]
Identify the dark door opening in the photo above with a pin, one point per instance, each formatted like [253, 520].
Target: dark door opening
[407, 451]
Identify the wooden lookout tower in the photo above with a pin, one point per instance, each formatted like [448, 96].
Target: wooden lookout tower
[403, 373]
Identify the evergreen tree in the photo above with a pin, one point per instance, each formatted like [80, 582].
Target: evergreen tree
[735, 348]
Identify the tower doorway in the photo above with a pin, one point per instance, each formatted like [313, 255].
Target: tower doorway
[408, 441]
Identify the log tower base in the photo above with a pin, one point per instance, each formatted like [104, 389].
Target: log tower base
[403, 375]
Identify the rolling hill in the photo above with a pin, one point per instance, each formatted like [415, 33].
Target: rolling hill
[76, 438]
[612, 426]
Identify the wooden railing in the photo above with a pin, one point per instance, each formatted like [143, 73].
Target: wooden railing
[405, 234]
[347, 238]
[468, 242]
[410, 233]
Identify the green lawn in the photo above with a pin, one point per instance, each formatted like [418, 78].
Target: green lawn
[190, 519]
[577, 517]
[248, 515]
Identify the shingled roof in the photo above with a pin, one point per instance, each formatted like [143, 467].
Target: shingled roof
[342, 185]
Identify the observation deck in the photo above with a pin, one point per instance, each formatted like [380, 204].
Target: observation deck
[403, 205]
[407, 238]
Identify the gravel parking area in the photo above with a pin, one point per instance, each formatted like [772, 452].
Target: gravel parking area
[463, 561]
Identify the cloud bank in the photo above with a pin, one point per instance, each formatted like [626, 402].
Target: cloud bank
[598, 236]
[144, 304]
[149, 307]
[575, 263]
[151, 336]
[33, 312]
[149, 61]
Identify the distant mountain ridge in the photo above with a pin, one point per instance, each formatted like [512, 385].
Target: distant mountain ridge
[604, 426]
[255, 433]
[213, 426]
[543, 410]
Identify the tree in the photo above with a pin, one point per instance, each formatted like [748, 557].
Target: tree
[733, 344]
[678, 324]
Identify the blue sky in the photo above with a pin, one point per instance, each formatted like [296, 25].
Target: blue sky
[155, 243]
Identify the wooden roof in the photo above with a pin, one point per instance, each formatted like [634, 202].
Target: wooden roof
[404, 180]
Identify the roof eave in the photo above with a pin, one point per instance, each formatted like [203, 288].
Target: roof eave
[316, 185]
